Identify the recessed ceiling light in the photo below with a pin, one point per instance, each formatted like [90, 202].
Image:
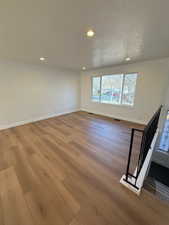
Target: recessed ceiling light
[128, 59]
[42, 58]
[83, 68]
[90, 33]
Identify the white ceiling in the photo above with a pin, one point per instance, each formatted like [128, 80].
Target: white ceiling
[56, 29]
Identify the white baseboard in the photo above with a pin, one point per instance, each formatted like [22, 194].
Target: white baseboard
[19, 123]
[117, 117]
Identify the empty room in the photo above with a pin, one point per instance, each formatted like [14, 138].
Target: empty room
[84, 112]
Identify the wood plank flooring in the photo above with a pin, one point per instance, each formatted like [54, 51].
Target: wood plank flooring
[66, 171]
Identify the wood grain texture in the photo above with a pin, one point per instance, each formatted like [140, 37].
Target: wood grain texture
[66, 171]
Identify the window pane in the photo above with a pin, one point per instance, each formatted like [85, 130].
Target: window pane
[96, 89]
[164, 142]
[111, 88]
[129, 89]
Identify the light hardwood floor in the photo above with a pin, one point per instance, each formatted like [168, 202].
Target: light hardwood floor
[66, 170]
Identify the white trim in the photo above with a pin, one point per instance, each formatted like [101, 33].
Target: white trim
[127, 185]
[19, 123]
[111, 116]
[143, 172]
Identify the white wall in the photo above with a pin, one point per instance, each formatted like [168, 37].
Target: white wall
[166, 102]
[152, 84]
[29, 93]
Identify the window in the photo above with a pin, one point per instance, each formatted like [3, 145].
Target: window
[96, 89]
[111, 89]
[164, 142]
[129, 89]
[114, 89]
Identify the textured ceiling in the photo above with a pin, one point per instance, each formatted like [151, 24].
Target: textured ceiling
[55, 29]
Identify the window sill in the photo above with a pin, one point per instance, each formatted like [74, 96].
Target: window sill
[118, 105]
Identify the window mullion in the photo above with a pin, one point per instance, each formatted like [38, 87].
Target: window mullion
[100, 88]
[122, 88]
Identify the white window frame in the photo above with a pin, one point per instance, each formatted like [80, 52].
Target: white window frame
[122, 88]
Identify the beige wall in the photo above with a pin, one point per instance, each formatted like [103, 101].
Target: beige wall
[29, 93]
[151, 87]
